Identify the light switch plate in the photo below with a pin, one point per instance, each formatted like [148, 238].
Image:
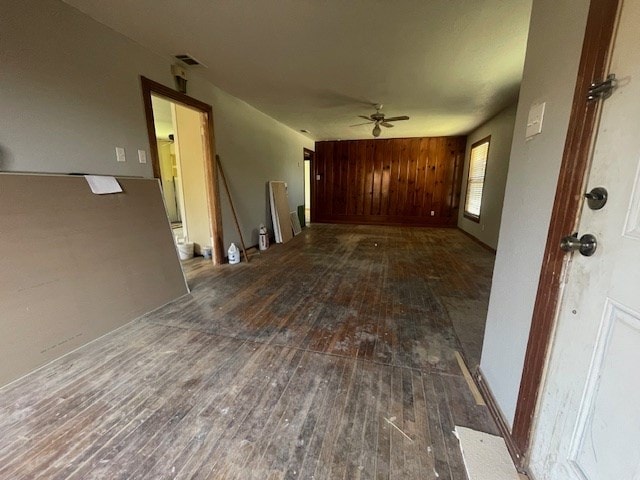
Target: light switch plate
[142, 156]
[120, 155]
[534, 121]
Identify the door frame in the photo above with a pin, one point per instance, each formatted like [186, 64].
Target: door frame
[568, 202]
[150, 87]
[309, 155]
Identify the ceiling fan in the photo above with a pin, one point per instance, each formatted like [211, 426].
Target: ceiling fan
[378, 119]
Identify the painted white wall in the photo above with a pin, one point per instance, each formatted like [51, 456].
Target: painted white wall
[500, 127]
[553, 53]
[70, 93]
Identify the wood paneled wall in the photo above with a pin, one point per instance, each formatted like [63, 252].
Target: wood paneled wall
[413, 181]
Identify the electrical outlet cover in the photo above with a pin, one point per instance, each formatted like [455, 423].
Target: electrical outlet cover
[120, 155]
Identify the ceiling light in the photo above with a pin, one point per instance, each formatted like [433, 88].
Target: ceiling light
[376, 130]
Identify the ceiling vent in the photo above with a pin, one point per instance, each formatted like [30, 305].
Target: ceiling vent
[188, 60]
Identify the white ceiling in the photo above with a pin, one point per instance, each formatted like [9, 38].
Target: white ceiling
[316, 65]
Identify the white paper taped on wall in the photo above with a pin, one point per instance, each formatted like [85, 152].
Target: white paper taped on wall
[101, 184]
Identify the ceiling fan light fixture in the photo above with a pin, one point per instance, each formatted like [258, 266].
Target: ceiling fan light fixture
[378, 119]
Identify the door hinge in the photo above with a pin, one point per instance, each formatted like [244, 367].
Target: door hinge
[602, 90]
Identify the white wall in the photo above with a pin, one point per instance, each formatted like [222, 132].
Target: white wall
[500, 127]
[553, 53]
[70, 93]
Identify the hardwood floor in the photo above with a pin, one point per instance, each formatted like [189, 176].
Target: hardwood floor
[330, 357]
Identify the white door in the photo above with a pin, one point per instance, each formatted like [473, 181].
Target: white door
[588, 422]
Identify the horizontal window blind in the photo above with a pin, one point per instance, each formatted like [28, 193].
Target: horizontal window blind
[475, 181]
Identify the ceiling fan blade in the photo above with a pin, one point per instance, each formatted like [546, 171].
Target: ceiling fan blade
[386, 124]
[396, 119]
[366, 118]
[358, 124]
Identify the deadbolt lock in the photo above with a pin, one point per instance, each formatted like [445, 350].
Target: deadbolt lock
[586, 244]
[597, 198]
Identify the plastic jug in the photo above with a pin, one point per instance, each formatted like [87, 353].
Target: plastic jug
[234, 254]
[263, 241]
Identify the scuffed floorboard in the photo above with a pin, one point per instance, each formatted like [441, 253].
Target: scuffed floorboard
[292, 366]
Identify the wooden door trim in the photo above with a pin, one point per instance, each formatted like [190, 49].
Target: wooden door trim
[567, 206]
[150, 87]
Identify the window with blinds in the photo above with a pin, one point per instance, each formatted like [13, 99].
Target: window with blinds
[475, 181]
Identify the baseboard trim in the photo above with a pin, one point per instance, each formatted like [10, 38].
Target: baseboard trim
[503, 426]
[478, 241]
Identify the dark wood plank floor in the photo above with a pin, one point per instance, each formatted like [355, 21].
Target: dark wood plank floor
[330, 357]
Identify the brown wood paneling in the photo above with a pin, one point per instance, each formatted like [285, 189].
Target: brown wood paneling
[328, 182]
[359, 191]
[376, 197]
[394, 152]
[454, 180]
[389, 181]
[386, 182]
[431, 179]
[414, 191]
[342, 184]
[425, 201]
[352, 206]
[402, 177]
[367, 168]
[438, 192]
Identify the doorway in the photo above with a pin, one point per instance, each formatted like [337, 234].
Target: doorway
[308, 171]
[181, 140]
[164, 115]
[566, 211]
[181, 151]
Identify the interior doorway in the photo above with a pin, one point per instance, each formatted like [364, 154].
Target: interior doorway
[180, 130]
[181, 152]
[164, 116]
[308, 171]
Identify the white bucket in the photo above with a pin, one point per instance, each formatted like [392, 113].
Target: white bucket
[234, 254]
[185, 250]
